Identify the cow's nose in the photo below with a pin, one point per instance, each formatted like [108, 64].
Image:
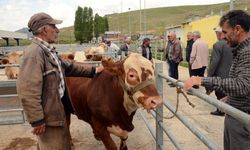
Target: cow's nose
[156, 101]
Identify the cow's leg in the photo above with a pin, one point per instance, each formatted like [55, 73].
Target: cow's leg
[68, 116]
[116, 130]
[102, 132]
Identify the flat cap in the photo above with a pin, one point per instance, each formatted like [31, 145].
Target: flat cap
[218, 29]
[40, 19]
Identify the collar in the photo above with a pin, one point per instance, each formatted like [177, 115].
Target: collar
[240, 46]
[45, 44]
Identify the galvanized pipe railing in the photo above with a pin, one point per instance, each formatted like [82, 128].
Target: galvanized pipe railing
[10, 65]
[237, 114]
[168, 132]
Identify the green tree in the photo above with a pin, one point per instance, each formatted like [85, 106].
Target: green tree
[106, 24]
[78, 31]
[97, 25]
[90, 24]
[85, 24]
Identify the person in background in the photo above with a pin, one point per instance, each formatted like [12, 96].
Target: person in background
[235, 29]
[113, 49]
[145, 49]
[190, 42]
[198, 56]
[174, 56]
[167, 49]
[220, 63]
[42, 88]
[124, 49]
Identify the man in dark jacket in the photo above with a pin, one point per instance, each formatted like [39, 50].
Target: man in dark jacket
[145, 49]
[174, 56]
[220, 64]
[41, 85]
[190, 42]
[124, 49]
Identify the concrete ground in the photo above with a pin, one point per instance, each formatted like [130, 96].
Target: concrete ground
[19, 137]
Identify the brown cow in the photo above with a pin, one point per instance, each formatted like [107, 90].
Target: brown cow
[67, 55]
[12, 58]
[109, 101]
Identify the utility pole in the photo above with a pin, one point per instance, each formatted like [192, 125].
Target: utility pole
[129, 22]
[140, 17]
[231, 5]
[145, 19]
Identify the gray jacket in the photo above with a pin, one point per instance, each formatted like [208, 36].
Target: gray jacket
[221, 60]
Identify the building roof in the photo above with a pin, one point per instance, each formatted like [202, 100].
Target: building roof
[12, 35]
[173, 27]
[112, 32]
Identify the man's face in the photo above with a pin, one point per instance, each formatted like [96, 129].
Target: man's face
[172, 37]
[219, 35]
[51, 32]
[147, 43]
[230, 34]
[189, 36]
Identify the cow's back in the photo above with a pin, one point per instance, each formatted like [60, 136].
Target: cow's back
[100, 97]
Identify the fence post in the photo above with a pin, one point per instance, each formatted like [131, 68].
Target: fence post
[159, 110]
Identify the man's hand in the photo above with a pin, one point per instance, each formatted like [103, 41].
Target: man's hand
[99, 69]
[194, 80]
[224, 99]
[39, 129]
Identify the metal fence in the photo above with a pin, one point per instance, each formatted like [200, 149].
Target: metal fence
[157, 133]
[160, 129]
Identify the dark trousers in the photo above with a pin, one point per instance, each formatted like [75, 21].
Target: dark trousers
[189, 69]
[174, 70]
[169, 70]
[236, 134]
[198, 72]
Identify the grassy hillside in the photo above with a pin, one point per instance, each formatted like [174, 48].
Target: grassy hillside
[158, 18]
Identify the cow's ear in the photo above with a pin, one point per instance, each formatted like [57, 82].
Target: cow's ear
[107, 62]
[71, 56]
[5, 61]
[110, 66]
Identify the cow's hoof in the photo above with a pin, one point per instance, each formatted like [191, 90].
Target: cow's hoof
[123, 145]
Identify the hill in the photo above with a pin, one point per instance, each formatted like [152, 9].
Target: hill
[159, 18]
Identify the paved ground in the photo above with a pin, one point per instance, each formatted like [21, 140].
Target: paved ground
[18, 137]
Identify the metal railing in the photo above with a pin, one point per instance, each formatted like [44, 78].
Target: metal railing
[160, 128]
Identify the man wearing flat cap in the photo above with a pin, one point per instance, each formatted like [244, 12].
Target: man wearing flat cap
[41, 85]
[220, 63]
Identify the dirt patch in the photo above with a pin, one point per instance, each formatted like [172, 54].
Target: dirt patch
[20, 144]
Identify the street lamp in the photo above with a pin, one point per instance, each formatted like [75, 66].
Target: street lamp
[231, 4]
[129, 23]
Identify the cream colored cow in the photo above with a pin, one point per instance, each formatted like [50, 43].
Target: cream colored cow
[12, 58]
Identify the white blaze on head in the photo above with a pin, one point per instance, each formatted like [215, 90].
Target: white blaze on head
[137, 62]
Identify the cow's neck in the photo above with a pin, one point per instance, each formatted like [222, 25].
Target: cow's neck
[129, 105]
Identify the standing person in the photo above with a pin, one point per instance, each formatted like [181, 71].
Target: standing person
[235, 28]
[167, 49]
[190, 42]
[124, 49]
[113, 49]
[41, 85]
[220, 64]
[145, 49]
[199, 56]
[174, 56]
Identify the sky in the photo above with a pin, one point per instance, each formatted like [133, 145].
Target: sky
[15, 14]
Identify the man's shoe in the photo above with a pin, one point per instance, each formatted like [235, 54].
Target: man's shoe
[217, 113]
